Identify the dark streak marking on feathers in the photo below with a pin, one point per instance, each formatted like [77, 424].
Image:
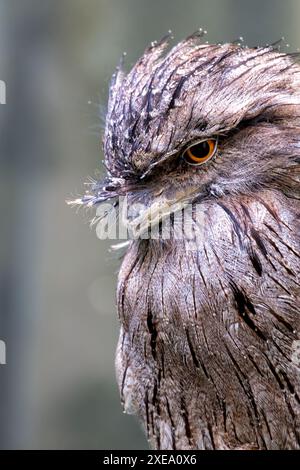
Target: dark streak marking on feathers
[152, 331]
[259, 241]
[172, 425]
[186, 421]
[236, 225]
[123, 384]
[211, 435]
[255, 262]
[267, 424]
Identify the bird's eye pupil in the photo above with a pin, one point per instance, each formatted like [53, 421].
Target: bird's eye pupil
[200, 152]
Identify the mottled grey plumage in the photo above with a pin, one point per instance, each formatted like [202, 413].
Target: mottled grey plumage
[207, 356]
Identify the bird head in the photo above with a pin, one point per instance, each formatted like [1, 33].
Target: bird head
[200, 123]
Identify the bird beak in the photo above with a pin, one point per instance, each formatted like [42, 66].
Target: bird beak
[138, 218]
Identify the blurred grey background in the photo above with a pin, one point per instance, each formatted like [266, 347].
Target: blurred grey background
[57, 313]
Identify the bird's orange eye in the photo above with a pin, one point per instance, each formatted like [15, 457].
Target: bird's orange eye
[199, 153]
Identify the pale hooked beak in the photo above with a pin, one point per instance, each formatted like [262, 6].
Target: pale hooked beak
[138, 218]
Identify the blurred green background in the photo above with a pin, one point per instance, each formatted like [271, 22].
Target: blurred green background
[57, 279]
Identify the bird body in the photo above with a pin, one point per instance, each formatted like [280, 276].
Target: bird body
[204, 355]
[208, 355]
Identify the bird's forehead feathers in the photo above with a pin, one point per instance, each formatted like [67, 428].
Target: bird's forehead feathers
[196, 90]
